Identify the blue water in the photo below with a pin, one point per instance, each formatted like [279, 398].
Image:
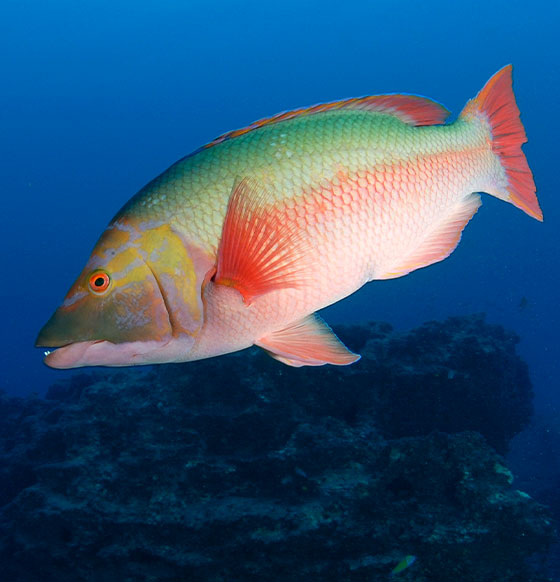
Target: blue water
[99, 97]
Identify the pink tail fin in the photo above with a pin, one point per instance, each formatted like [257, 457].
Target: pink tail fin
[496, 104]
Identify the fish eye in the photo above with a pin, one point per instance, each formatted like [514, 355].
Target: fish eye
[99, 282]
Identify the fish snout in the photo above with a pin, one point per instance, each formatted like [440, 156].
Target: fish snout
[57, 332]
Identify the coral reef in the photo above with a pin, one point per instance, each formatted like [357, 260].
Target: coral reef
[242, 469]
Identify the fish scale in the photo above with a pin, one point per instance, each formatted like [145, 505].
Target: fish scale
[356, 140]
[239, 243]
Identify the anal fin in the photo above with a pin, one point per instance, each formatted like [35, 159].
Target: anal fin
[308, 342]
[441, 241]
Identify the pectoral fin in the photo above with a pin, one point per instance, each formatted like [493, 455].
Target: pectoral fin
[308, 342]
[260, 251]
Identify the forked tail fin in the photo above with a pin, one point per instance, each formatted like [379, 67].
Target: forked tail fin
[495, 104]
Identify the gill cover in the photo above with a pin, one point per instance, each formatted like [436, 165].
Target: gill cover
[138, 286]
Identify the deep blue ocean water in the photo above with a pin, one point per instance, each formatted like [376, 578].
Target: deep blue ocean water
[97, 98]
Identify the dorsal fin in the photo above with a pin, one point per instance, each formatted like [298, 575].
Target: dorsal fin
[411, 109]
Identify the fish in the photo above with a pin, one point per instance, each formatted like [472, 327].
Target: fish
[405, 563]
[523, 303]
[241, 242]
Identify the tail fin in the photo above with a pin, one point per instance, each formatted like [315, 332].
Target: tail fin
[496, 105]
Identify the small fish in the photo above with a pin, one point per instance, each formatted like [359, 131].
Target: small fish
[405, 563]
[239, 243]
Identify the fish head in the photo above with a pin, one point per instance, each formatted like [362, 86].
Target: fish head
[137, 301]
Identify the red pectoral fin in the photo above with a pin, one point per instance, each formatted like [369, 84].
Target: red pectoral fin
[260, 251]
[308, 342]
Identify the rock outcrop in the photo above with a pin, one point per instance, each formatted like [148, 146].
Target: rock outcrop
[242, 469]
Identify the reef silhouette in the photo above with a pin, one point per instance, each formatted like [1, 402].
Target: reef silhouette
[242, 469]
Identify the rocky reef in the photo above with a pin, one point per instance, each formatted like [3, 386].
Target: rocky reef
[242, 469]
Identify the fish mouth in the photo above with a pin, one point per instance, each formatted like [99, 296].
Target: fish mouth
[107, 353]
[72, 355]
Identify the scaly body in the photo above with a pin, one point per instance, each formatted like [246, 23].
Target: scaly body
[250, 235]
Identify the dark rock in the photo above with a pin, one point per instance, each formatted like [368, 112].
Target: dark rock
[461, 374]
[240, 468]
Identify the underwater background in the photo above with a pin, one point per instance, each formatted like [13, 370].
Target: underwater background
[97, 99]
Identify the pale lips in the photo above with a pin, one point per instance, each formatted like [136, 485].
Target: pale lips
[107, 353]
[68, 356]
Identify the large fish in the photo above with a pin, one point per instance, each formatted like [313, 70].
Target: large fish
[239, 243]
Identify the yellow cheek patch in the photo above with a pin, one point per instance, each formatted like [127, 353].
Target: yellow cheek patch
[111, 243]
[127, 267]
[143, 265]
[168, 258]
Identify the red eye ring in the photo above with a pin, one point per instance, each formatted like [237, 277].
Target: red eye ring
[99, 282]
